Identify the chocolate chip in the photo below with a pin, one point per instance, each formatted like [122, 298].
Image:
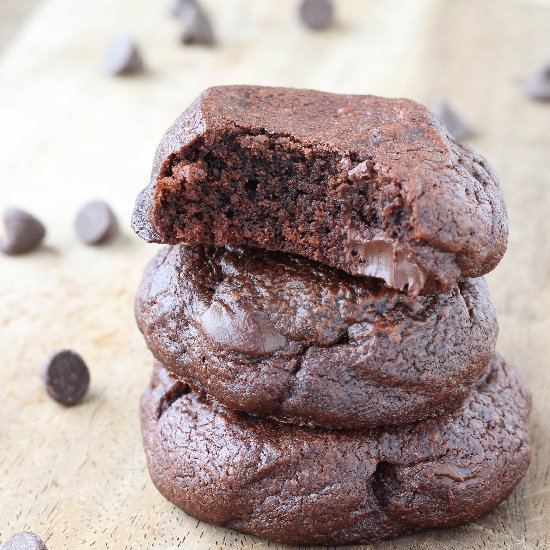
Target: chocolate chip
[24, 541]
[123, 57]
[196, 28]
[66, 377]
[538, 86]
[316, 14]
[95, 223]
[23, 232]
[175, 7]
[450, 119]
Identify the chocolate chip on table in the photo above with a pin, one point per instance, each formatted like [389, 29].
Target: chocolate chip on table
[196, 27]
[123, 57]
[95, 223]
[23, 232]
[316, 14]
[450, 119]
[538, 86]
[66, 377]
[175, 7]
[24, 540]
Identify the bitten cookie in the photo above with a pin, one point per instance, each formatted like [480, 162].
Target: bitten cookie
[307, 486]
[373, 186]
[276, 334]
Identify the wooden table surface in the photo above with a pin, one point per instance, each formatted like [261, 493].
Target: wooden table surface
[68, 134]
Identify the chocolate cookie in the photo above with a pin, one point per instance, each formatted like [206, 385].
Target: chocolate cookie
[307, 486]
[373, 186]
[277, 334]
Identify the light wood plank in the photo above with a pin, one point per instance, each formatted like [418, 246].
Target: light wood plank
[69, 133]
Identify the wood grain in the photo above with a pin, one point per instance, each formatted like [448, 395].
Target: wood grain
[77, 476]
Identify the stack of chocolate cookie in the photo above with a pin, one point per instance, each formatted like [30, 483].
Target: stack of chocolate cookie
[325, 369]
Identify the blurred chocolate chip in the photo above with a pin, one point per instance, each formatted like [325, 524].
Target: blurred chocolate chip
[24, 540]
[175, 7]
[123, 57]
[95, 223]
[66, 377]
[23, 232]
[538, 86]
[450, 119]
[316, 14]
[196, 27]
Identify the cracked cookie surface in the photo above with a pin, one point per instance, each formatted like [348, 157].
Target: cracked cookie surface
[372, 186]
[275, 334]
[302, 485]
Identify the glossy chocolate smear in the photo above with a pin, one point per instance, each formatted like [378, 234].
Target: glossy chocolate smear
[234, 328]
[378, 258]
